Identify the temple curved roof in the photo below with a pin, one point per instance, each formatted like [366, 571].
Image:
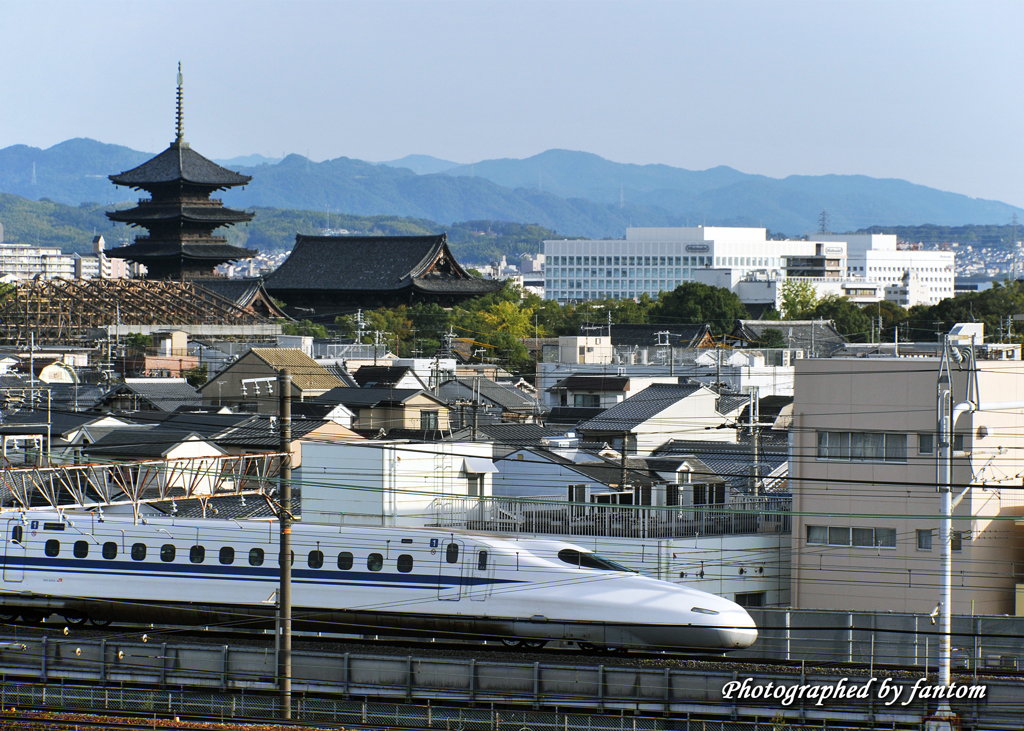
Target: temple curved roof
[171, 212]
[180, 163]
[374, 263]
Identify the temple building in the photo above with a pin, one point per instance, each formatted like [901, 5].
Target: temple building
[330, 275]
[179, 214]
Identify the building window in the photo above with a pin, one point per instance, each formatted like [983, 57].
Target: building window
[428, 420]
[751, 599]
[587, 400]
[926, 444]
[956, 540]
[924, 540]
[862, 446]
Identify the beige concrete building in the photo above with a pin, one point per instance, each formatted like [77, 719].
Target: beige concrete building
[864, 471]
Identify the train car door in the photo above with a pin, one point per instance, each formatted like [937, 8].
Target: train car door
[14, 551]
[449, 579]
[481, 572]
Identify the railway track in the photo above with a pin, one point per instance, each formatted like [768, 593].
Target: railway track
[562, 653]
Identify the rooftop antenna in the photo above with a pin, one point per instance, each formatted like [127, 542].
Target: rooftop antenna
[181, 112]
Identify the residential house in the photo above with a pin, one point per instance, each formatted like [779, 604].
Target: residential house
[812, 338]
[250, 382]
[150, 394]
[661, 412]
[495, 402]
[601, 390]
[408, 412]
[393, 483]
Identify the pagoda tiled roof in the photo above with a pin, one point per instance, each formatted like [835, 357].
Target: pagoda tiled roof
[198, 214]
[154, 250]
[373, 263]
[179, 162]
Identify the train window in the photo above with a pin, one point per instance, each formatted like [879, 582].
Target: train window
[588, 560]
[17, 533]
[315, 560]
[52, 547]
[138, 552]
[375, 562]
[81, 549]
[197, 554]
[167, 552]
[255, 556]
[345, 560]
[405, 563]
[452, 553]
[279, 558]
[227, 555]
[481, 561]
[109, 550]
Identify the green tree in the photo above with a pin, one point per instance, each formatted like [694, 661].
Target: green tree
[696, 303]
[197, 376]
[772, 338]
[306, 327]
[798, 298]
[848, 318]
[138, 341]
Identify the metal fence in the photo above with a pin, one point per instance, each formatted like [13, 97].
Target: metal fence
[240, 705]
[550, 516]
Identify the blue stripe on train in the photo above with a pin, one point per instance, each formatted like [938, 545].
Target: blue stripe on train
[122, 569]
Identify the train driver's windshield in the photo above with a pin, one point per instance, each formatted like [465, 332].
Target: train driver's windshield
[589, 560]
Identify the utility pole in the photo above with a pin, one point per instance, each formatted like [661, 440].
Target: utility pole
[755, 437]
[284, 660]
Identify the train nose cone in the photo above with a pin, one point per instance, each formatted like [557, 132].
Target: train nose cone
[738, 638]
[738, 630]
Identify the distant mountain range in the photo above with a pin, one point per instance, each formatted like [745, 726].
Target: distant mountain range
[573, 193]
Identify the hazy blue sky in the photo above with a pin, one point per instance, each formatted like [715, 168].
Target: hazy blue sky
[924, 91]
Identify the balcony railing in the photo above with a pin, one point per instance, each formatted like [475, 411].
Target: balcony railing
[549, 516]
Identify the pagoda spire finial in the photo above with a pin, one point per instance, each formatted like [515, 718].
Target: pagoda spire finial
[181, 113]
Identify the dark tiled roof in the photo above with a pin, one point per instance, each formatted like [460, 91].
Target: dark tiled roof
[380, 376]
[571, 415]
[731, 462]
[136, 443]
[265, 432]
[35, 422]
[180, 163]
[642, 335]
[819, 337]
[509, 398]
[515, 435]
[729, 402]
[170, 250]
[473, 286]
[640, 407]
[161, 394]
[168, 212]
[206, 425]
[369, 397]
[578, 382]
[372, 264]
[224, 507]
[768, 408]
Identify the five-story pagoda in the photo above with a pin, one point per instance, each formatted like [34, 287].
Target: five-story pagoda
[179, 215]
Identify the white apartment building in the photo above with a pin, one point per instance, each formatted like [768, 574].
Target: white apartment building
[22, 261]
[875, 257]
[653, 260]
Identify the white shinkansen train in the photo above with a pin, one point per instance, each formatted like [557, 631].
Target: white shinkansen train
[423, 581]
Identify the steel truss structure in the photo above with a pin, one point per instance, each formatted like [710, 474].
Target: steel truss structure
[136, 483]
[57, 310]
